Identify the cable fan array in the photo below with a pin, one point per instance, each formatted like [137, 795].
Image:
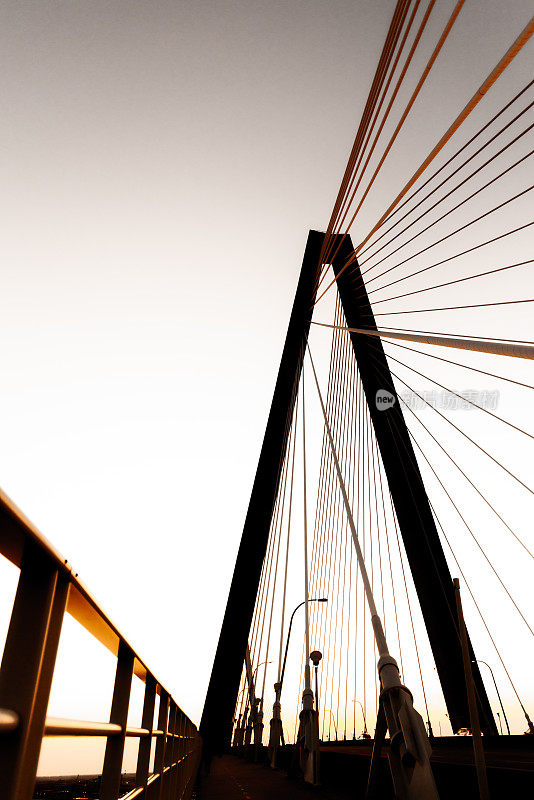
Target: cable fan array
[452, 234]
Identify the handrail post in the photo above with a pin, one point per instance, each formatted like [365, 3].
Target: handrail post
[176, 756]
[111, 771]
[161, 744]
[170, 753]
[28, 665]
[147, 721]
[182, 748]
[47, 589]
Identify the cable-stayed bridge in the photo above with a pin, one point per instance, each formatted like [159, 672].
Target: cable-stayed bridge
[378, 634]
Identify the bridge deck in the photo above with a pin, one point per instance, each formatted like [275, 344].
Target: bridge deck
[233, 778]
[344, 769]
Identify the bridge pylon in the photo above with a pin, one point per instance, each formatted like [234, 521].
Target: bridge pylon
[422, 544]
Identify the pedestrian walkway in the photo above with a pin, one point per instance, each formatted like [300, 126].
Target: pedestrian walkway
[234, 778]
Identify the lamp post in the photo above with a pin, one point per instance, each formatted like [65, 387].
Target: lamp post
[497, 690]
[365, 731]
[311, 600]
[261, 665]
[258, 727]
[334, 721]
[276, 721]
[244, 689]
[239, 729]
[254, 716]
[253, 675]
[238, 696]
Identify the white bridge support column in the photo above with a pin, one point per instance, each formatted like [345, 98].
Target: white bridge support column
[248, 729]
[308, 737]
[275, 734]
[239, 732]
[258, 729]
[409, 751]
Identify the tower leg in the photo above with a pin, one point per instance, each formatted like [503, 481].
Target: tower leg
[216, 722]
[425, 554]
[421, 540]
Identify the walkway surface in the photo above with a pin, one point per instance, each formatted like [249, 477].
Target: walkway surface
[234, 778]
[344, 771]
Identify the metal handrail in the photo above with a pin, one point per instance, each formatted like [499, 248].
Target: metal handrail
[60, 726]
[56, 726]
[47, 589]
[9, 720]
[134, 794]
[80, 604]
[138, 792]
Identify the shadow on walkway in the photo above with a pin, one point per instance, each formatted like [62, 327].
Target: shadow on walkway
[233, 778]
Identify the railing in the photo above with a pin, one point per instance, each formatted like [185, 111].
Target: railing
[47, 589]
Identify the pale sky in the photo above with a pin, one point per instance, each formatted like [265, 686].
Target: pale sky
[162, 163]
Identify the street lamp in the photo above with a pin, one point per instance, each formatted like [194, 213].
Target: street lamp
[311, 600]
[276, 722]
[245, 687]
[249, 687]
[496, 689]
[260, 665]
[239, 695]
[334, 720]
[257, 668]
[315, 658]
[252, 701]
[365, 734]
